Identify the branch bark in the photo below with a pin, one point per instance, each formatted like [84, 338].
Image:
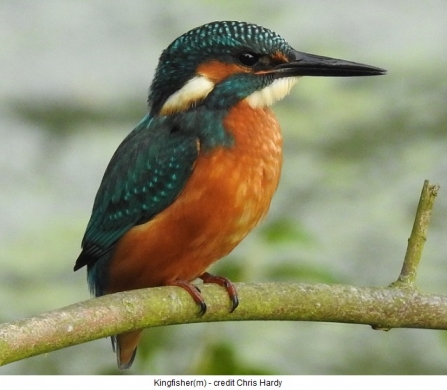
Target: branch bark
[400, 305]
[418, 235]
[384, 308]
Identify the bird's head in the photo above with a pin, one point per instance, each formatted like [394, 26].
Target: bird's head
[221, 63]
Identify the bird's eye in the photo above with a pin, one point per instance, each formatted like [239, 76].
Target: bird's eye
[248, 59]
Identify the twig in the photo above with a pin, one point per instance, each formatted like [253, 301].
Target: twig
[418, 235]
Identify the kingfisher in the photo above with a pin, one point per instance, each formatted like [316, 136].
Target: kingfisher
[198, 173]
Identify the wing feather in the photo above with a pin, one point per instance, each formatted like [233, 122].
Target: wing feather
[145, 175]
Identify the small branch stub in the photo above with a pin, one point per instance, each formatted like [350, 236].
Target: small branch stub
[418, 236]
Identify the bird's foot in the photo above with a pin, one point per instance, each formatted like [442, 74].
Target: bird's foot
[192, 290]
[225, 283]
[195, 292]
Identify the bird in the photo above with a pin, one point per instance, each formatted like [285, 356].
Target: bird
[199, 171]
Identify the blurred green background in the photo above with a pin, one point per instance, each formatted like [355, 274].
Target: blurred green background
[74, 82]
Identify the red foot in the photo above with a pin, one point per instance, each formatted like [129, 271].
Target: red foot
[194, 291]
[225, 283]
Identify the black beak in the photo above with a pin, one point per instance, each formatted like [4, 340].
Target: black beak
[305, 64]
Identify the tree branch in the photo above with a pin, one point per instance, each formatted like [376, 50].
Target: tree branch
[112, 314]
[399, 306]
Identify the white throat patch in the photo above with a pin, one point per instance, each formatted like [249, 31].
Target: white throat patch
[193, 91]
[272, 93]
[200, 86]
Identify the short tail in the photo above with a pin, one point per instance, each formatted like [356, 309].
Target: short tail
[125, 347]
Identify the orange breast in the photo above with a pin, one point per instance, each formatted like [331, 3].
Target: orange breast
[227, 194]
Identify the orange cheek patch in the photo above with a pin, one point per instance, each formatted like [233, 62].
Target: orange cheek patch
[217, 71]
[280, 57]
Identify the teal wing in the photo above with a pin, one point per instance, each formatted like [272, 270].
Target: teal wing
[145, 175]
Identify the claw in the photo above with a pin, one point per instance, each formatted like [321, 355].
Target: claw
[195, 292]
[192, 290]
[225, 283]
